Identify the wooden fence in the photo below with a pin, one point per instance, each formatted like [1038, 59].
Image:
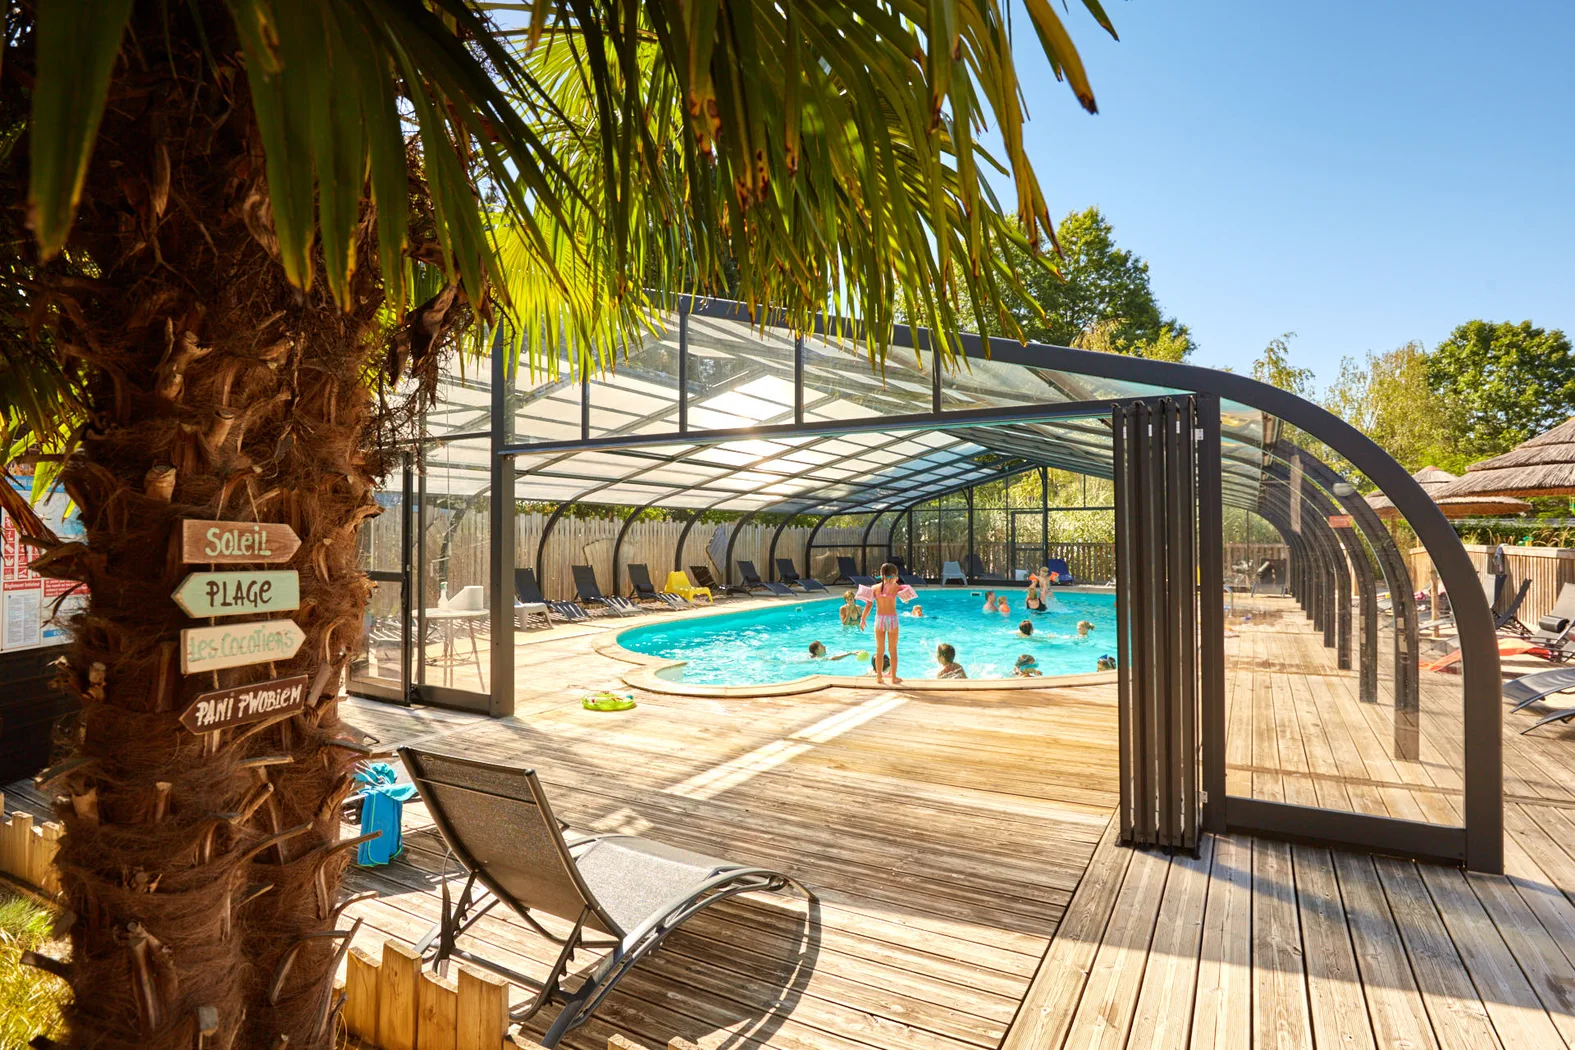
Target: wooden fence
[27, 851]
[1548, 569]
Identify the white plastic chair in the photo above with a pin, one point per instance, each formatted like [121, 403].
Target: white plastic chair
[952, 569]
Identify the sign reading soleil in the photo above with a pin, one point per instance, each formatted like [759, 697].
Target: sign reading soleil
[237, 542]
[245, 703]
[238, 644]
[238, 593]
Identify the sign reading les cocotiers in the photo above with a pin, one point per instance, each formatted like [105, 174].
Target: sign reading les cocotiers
[224, 708]
[237, 542]
[238, 644]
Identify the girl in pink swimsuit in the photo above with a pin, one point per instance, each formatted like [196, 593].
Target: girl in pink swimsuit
[882, 597]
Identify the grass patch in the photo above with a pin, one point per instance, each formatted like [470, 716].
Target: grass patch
[30, 999]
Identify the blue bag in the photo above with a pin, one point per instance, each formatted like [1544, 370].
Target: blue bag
[382, 807]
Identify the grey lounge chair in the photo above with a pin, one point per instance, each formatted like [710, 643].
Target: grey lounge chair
[629, 892]
[527, 598]
[645, 590]
[791, 577]
[591, 594]
[976, 570]
[752, 580]
[846, 569]
[1553, 630]
[528, 592]
[1528, 689]
[1509, 619]
[952, 571]
[704, 578]
[904, 576]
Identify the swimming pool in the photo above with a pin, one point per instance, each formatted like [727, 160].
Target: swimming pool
[765, 645]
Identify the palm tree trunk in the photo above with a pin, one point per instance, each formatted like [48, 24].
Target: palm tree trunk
[200, 871]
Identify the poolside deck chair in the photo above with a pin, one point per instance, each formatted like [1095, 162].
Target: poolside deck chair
[1528, 689]
[527, 598]
[904, 576]
[1061, 569]
[645, 590]
[1509, 619]
[846, 569]
[752, 580]
[590, 594]
[679, 584]
[791, 577]
[952, 571]
[627, 892]
[528, 592]
[704, 578]
[976, 570]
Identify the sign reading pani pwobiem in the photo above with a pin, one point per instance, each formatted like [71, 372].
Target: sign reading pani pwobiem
[238, 644]
[237, 542]
[224, 708]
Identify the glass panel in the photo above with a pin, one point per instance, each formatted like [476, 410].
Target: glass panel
[376, 668]
[451, 584]
[840, 382]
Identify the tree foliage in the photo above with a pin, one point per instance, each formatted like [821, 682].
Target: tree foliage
[1503, 383]
[1388, 397]
[1274, 367]
[1101, 299]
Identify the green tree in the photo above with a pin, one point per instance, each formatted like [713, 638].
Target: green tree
[1097, 297]
[1389, 398]
[1274, 367]
[238, 226]
[1504, 382]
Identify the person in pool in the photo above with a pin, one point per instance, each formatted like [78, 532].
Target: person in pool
[916, 611]
[1026, 628]
[1002, 606]
[1107, 663]
[989, 602]
[883, 599]
[1027, 667]
[1083, 627]
[1034, 601]
[817, 651]
[946, 656]
[849, 611]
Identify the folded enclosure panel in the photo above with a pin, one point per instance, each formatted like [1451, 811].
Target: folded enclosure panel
[1162, 666]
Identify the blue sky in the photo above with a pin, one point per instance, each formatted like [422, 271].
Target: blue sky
[1361, 174]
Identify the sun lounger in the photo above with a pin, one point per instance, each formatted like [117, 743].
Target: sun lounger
[904, 576]
[590, 594]
[704, 578]
[1062, 571]
[645, 590]
[1553, 630]
[752, 580]
[846, 569]
[627, 893]
[1509, 619]
[952, 571]
[1527, 690]
[791, 577]
[976, 570]
[678, 583]
[528, 600]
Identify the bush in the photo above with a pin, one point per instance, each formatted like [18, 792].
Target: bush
[30, 999]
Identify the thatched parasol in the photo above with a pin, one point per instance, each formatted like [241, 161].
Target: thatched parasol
[1434, 482]
[1543, 466]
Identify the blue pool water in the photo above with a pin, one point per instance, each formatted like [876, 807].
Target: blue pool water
[769, 644]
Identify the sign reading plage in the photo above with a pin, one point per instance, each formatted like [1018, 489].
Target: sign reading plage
[238, 644]
[237, 542]
[239, 593]
[224, 708]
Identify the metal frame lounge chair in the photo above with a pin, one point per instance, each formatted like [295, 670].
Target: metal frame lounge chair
[527, 598]
[645, 590]
[585, 586]
[976, 570]
[952, 571]
[704, 578]
[1553, 630]
[1509, 619]
[628, 892]
[790, 576]
[847, 569]
[528, 592]
[752, 580]
[904, 576]
[1528, 689]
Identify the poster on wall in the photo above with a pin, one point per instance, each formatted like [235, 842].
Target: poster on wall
[33, 610]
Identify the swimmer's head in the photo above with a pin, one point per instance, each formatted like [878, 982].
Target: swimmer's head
[1025, 628]
[817, 649]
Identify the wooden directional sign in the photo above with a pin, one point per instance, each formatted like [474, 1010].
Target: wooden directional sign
[1340, 521]
[239, 593]
[238, 644]
[245, 703]
[237, 542]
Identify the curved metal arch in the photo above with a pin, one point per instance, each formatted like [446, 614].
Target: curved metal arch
[771, 550]
[683, 537]
[546, 534]
[810, 541]
[864, 542]
[732, 538]
[623, 530]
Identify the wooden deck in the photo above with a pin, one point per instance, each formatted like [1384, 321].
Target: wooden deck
[971, 894]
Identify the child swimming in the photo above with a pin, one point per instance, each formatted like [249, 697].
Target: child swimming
[989, 602]
[883, 599]
[946, 656]
[1002, 606]
[1107, 663]
[1026, 628]
[849, 611]
[1083, 627]
[817, 651]
[916, 611]
[1027, 667]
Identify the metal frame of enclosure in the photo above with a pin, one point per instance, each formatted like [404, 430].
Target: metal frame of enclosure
[719, 412]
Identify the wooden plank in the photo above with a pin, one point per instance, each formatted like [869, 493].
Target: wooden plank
[1104, 1014]
[237, 542]
[1163, 1019]
[1222, 1014]
[1394, 1005]
[1533, 946]
[1517, 1015]
[360, 1010]
[1338, 1009]
[1459, 1019]
[1046, 1012]
[1279, 1000]
[483, 1011]
[397, 1003]
[437, 1006]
